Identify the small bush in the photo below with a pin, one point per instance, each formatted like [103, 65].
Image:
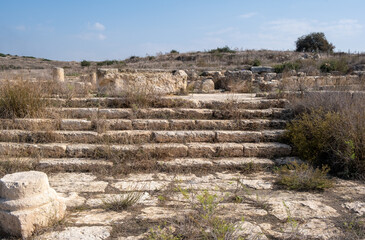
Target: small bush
[339, 65]
[85, 63]
[329, 129]
[2, 55]
[303, 177]
[287, 66]
[256, 63]
[225, 49]
[107, 63]
[20, 99]
[173, 51]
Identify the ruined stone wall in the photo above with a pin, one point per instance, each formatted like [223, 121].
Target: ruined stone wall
[114, 81]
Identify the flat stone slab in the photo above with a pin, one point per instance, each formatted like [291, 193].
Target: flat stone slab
[76, 182]
[97, 217]
[79, 233]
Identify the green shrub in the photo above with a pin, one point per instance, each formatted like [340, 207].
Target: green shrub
[2, 55]
[339, 65]
[31, 57]
[173, 51]
[314, 42]
[225, 49]
[85, 63]
[287, 66]
[329, 129]
[303, 177]
[256, 62]
[21, 99]
[107, 63]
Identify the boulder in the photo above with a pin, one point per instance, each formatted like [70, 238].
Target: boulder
[28, 202]
[207, 86]
[261, 69]
[113, 81]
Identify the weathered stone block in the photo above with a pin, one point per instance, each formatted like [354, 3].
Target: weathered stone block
[27, 202]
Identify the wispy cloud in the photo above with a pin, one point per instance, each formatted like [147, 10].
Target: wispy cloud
[98, 26]
[93, 32]
[296, 27]
[248, 15]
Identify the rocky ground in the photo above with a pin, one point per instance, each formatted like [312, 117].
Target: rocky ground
[126, 170]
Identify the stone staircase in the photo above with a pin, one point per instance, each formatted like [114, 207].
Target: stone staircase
[96, 149]
[98, 152]
[90, 130]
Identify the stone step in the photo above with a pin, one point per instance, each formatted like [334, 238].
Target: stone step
[64, 162]
[140, 124]
[78, 164]
[139, 136]
[217, 162]
[146, 151]
[114, 102]
[165, 113]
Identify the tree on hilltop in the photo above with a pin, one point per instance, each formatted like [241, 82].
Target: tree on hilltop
[314, 42]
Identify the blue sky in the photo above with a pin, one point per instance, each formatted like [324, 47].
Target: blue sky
[112, 29]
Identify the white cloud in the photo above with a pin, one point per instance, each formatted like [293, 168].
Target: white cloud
[98, 26]
[248, 15]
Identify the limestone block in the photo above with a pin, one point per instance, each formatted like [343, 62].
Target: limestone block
[113, 81]
[26, 202]
[207, 86]
[58, 74]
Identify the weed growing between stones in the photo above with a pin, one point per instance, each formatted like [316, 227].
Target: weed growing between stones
[303, 177]
[202, 222]
[353, 228]
[120, 203]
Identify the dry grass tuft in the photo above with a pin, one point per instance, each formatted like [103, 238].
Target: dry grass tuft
[20, 99]
[303, 177]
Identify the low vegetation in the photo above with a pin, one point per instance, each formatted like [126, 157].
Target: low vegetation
[85, 63]
[286, 66]
[329, 129]
[303, 177]
[225, 49]
[19, 99]
[202, 222]
[120, 203]
[338, 65]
